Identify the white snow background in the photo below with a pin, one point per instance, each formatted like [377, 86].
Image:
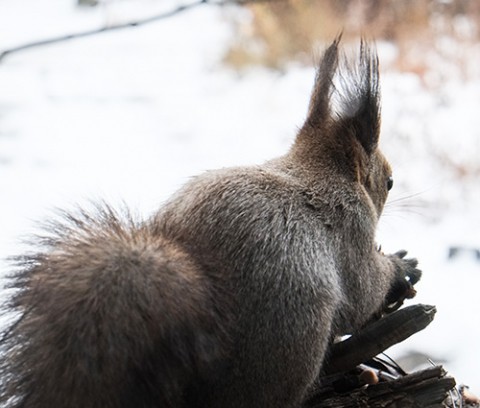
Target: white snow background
[128, 116]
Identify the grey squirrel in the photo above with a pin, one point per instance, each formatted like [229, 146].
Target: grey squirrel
[229, 295]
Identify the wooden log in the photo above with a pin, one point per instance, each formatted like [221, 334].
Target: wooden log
[378, 336]
[342, 383]
[424, 389]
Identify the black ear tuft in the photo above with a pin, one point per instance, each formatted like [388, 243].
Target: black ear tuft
[346, 97]
[358, 98]
[319, 109]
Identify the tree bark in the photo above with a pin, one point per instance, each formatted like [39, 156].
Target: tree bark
[353, 377]
[424, 389]
[378, 336]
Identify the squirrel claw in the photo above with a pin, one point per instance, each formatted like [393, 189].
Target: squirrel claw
[407, 276]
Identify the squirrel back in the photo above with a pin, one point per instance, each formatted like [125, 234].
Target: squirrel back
[230, 294]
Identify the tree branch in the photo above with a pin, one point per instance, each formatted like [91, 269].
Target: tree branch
[378, 336]
[136, 23]
[353, 377]
[427, 388]
[104, 29]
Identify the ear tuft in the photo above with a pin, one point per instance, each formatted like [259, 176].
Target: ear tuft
[346, 96]
[357, 110]
[319, 108]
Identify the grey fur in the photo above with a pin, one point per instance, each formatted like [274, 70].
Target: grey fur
[230, 294]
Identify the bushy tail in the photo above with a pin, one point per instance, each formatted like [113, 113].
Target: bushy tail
[110, 315]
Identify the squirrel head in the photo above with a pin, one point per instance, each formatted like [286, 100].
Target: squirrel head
[339, 139]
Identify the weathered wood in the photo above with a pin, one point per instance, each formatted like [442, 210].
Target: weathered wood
[342, 383]
[424, 389]
[378, 336]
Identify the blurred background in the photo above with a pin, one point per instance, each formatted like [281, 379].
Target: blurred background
[129, 115]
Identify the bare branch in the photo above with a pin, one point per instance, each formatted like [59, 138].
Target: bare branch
[427, 388]
[376, 382]
[104, 29]
[89, 33]
[379, 336]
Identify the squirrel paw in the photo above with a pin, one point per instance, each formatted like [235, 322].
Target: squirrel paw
[407, 275]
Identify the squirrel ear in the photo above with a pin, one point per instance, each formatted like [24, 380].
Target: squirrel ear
[358, 109]
[319, 108]
[345, 101]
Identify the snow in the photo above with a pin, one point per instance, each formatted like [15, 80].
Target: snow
[129, 116]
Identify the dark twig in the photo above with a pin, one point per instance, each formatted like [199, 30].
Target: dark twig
[89, 33]
[353, 377]
[379, 336]
[104, 29]
[427, 388]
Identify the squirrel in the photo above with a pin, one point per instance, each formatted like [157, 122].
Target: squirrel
[231, 293]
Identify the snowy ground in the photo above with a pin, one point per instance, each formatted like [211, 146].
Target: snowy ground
[129, 116]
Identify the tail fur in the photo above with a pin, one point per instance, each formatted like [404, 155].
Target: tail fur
[110, 315]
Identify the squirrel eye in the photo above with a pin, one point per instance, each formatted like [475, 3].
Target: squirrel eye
[389, 183]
